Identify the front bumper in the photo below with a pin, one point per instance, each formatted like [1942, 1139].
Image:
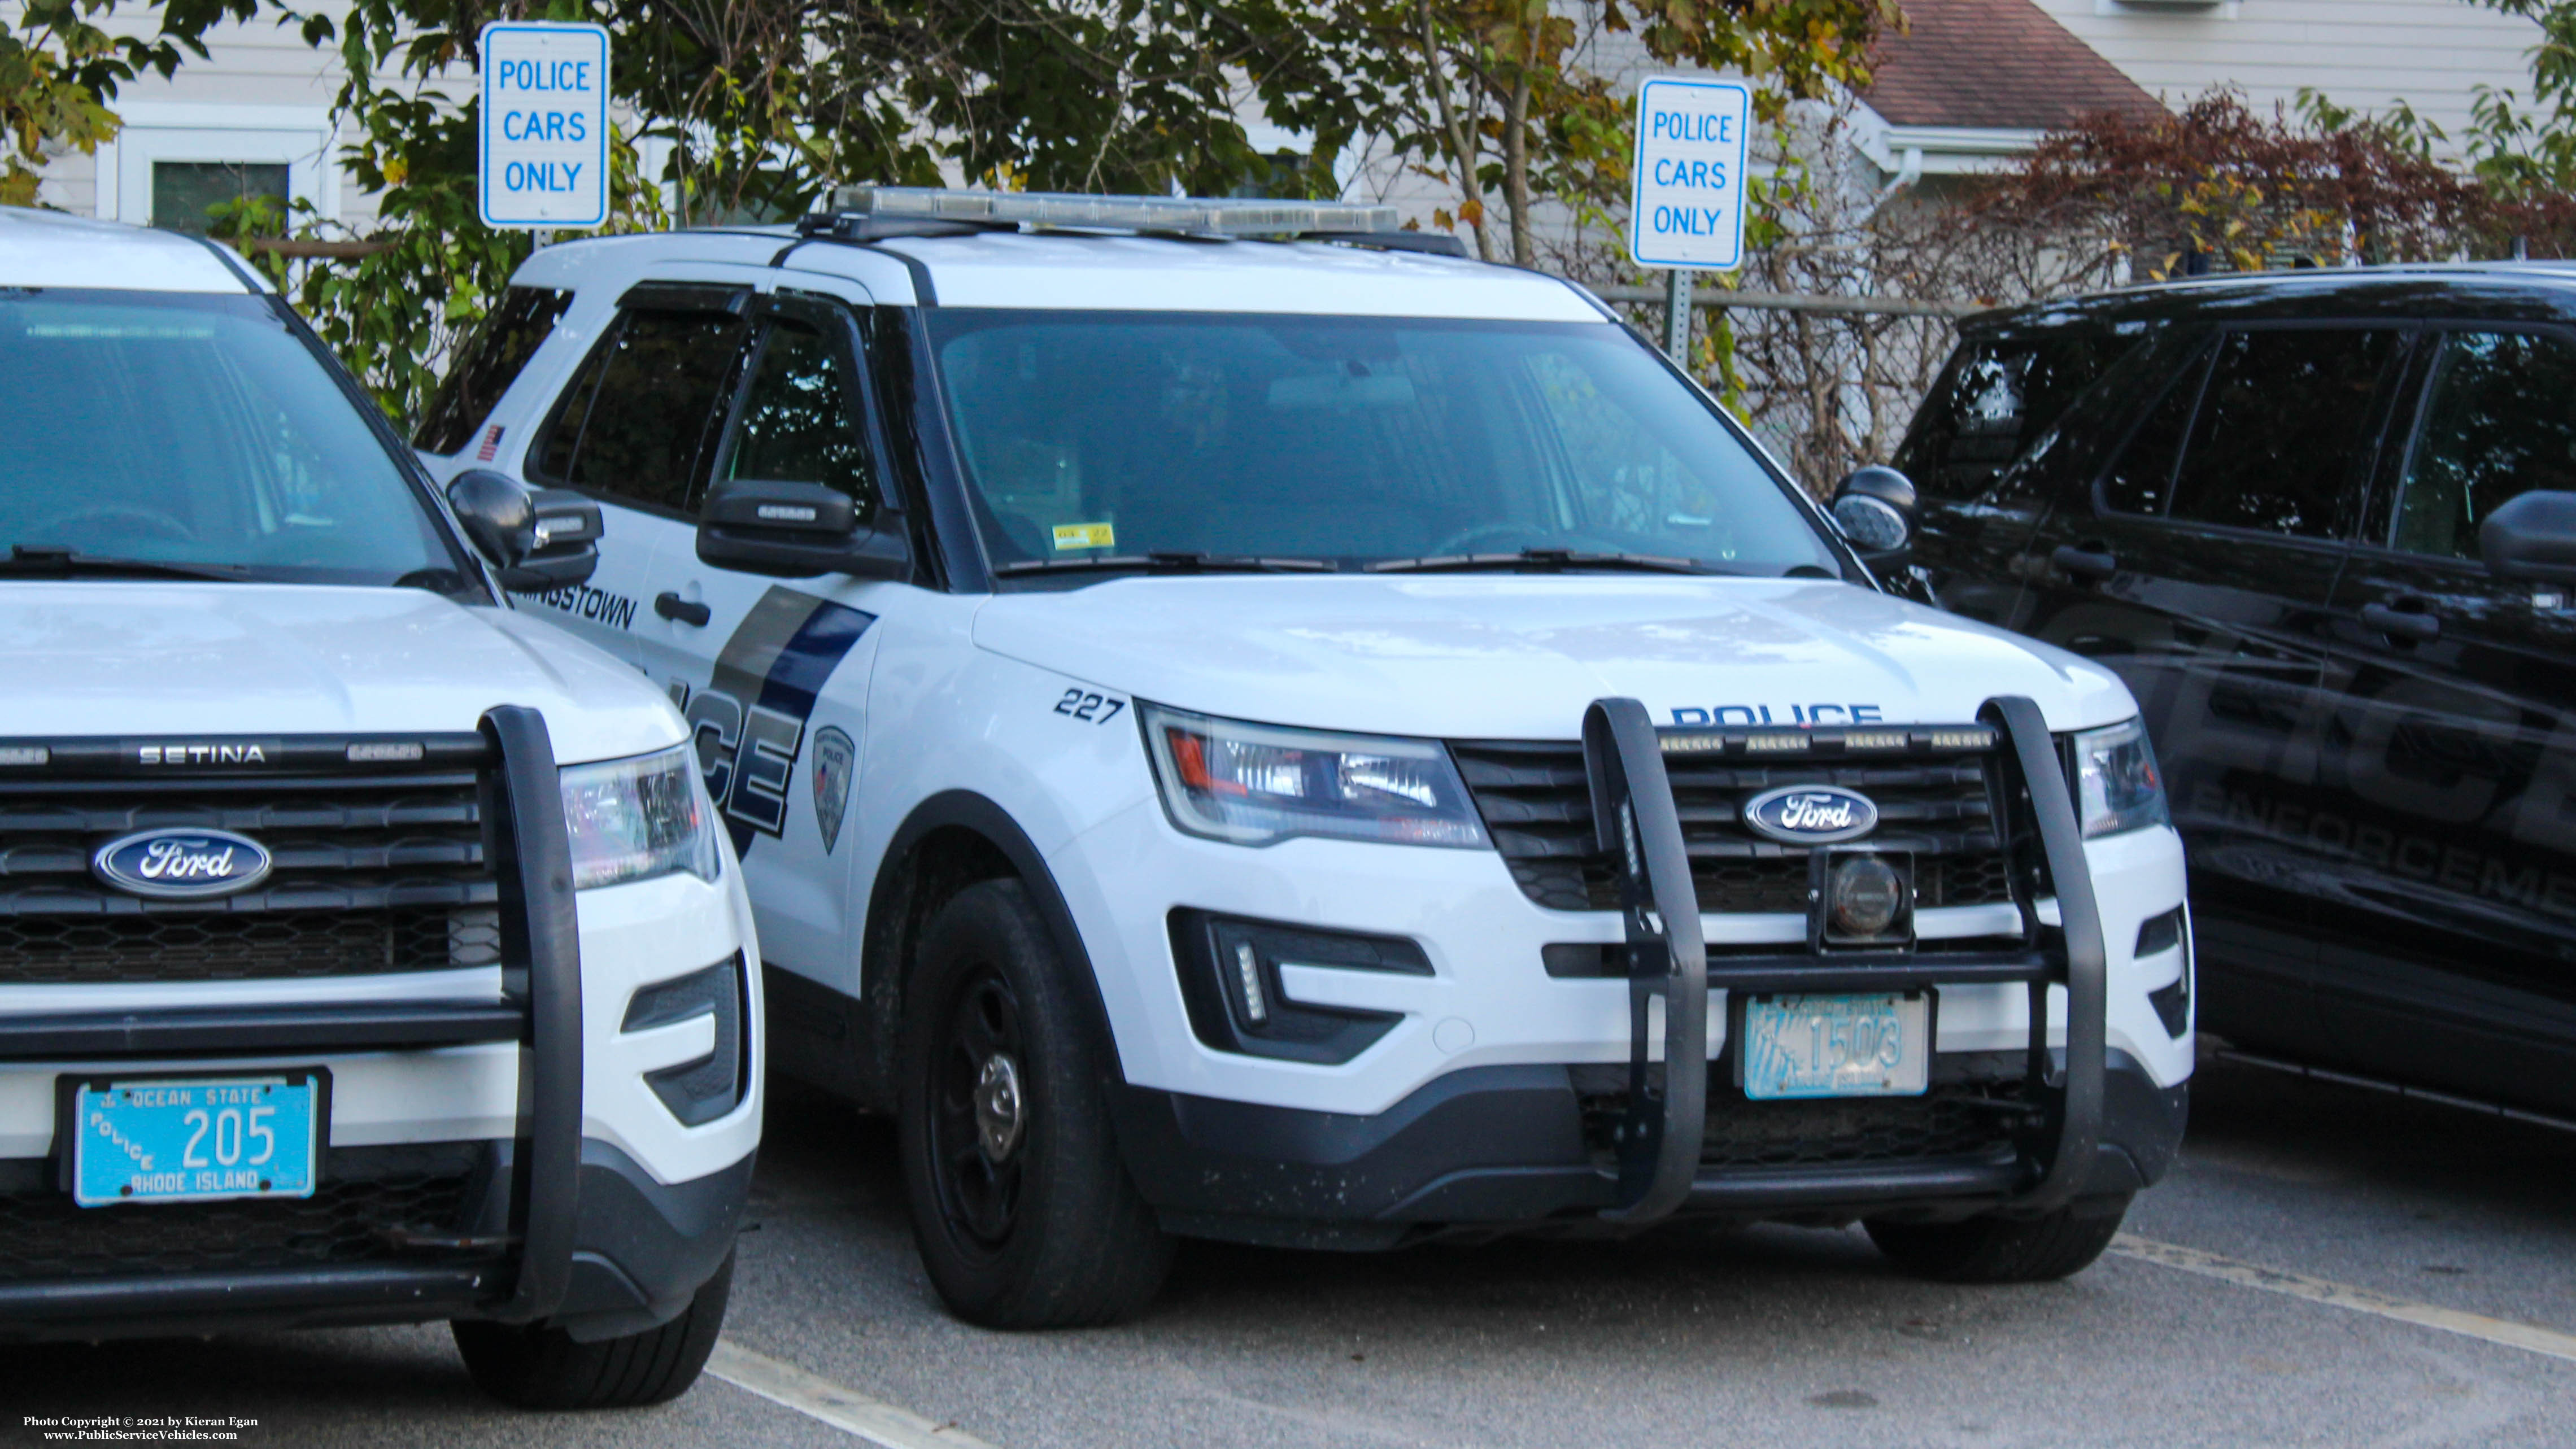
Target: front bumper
[1490, 1148]
[1485, 1012]
[495, 1147]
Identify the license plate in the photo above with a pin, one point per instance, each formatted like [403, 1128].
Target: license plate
[193, 1139]
[1837, 1046]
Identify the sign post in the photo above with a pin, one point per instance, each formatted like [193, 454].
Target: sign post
[544, 143]
[1686, 208]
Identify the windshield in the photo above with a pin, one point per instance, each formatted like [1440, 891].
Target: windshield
[196, 431]
[1355, 440]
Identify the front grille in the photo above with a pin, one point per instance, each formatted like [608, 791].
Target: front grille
[1953, 1120]
[228, 946]
[374, 872]
[364, 1191]
[1537, 806]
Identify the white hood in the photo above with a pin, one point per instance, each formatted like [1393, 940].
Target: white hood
[1520, 656]
[124, 658]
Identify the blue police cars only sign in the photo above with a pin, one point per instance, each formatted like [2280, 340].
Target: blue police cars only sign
[1688, 201]
[545, 125]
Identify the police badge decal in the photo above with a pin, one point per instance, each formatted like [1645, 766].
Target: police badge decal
[836, 759]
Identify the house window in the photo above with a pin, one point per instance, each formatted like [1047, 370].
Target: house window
[185, 193]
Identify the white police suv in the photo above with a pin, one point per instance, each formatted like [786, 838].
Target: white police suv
[368, 952]
[1242, 725]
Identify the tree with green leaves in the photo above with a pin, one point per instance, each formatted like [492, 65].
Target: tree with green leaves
[60, 70]
[1523, 99]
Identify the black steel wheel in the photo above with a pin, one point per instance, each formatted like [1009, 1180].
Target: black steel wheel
[1024, 1212]
[977, 1124]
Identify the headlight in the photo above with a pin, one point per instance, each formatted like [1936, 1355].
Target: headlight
[2117, 785]
[640, 818]
[1254, 784]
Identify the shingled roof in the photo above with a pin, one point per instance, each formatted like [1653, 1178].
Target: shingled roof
[2005, 64]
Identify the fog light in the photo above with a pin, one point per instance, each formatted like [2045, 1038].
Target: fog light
[1867, 897]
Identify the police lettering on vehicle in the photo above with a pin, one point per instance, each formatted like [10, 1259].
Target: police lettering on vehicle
[1783, 714]
[584, 602]
[749, 721]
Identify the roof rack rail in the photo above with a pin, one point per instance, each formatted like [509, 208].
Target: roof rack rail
[868, 213]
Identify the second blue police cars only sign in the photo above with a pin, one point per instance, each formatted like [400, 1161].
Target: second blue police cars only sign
[1689, 194]
[545, 125]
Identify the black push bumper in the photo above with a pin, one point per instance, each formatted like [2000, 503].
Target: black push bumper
[1502, 1146]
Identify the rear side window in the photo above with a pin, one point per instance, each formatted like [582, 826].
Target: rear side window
[486, 365]
[2496, 423]
[641, 417]
[2283, 431]
[2140, 480]
[1993, 401]
[2275, 430]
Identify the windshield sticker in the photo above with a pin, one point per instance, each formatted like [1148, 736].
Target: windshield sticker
[1085, 535]
[1787, 714]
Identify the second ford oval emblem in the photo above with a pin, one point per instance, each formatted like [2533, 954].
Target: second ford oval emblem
[1811, 814]
[182, 864]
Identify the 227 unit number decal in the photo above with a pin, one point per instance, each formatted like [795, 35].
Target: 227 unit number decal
[1088, 707]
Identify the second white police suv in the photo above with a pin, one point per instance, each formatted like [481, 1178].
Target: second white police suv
[1242, 724]
[369, 952]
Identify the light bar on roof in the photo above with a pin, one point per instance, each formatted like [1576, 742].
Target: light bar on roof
[1222, 216]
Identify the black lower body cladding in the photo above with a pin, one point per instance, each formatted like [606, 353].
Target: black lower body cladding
[641, 1251]
[1506, 1147]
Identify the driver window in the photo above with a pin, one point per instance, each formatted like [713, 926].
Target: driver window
[2495, 425]
[797, 423]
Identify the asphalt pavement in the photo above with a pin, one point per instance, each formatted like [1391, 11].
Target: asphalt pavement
[2327, 1265]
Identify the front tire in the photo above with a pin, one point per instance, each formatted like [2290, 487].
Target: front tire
[1025, 1215]
[533, 1366]
[2001, 1250]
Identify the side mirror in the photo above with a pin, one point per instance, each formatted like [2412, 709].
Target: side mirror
[795, 531]
[1875, 509]
[2533, 536]
[536, 539]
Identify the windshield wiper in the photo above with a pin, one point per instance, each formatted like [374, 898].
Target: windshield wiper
[1166, 563]
[1541, 561]
[44, 561]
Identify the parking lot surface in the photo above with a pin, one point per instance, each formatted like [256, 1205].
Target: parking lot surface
[2419, 1236]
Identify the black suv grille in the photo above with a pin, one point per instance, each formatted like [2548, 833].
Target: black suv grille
[376, 869]
[1537, 805]
[364, 1192]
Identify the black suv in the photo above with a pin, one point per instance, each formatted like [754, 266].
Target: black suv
[2324, 524]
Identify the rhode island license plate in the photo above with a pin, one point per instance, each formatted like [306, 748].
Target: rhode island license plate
[1837, 1046]
[190, 1139]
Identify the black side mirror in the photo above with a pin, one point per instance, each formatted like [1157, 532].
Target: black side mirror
[795, 531]
[536, 539]
[1875, 509]
[2533, 536]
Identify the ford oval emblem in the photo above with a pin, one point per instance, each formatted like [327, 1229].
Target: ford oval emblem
[182, 864]
[1811, 814]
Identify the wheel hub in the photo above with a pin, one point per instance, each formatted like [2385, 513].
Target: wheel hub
[1000, 1114]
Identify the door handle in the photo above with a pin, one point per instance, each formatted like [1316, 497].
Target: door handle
[2088, 560]
[2399, 622]
[680, 611]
